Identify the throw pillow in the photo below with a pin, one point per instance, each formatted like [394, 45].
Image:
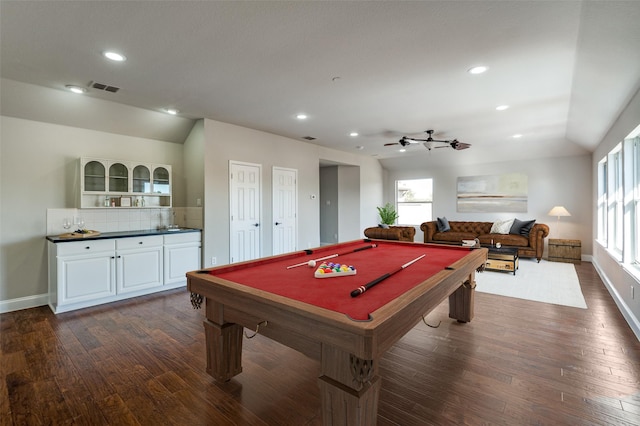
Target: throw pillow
[501, 226]
[521, 227]
[443, 224]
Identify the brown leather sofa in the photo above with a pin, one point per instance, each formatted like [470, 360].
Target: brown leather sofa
[531, 246]
[399, 233]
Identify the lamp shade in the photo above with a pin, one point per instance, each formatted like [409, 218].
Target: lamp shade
[559, 211]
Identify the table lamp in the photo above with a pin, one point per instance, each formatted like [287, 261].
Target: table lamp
[559, 211]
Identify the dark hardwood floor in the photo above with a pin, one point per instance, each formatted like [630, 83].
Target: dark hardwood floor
[142, 362]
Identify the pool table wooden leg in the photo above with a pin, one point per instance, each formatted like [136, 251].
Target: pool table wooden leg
[224, 344]
[461, 301]
[349, 388]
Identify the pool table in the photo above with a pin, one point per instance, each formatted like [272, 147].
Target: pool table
[320, 318]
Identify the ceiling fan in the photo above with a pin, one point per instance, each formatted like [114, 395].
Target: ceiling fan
[431, 143]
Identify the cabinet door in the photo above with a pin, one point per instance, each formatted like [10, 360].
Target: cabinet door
[94, 176]
[118, 178]
[139, 269]
[180, 259]
[84, 278]
[161, 181]
[141, 179]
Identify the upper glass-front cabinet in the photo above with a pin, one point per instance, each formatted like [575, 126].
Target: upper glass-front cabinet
[94, 176]
[161, 181]
[141, 179]
[109, 183]
[118, 178]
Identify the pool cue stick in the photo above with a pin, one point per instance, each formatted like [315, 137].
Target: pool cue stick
[367, 286]
[333, 255]
[307, 262]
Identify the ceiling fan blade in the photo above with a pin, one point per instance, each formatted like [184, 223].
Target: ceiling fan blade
[392, 143]
[413, 140]
[459, 145]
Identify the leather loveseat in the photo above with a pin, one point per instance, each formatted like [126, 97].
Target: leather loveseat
[531, 245]
[399, 233]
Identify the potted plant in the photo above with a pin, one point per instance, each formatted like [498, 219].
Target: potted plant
[388, 215]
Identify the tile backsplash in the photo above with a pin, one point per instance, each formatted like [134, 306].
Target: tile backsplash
[124, 219]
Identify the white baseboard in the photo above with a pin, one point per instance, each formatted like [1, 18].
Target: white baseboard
[628, 315]
[23, 303]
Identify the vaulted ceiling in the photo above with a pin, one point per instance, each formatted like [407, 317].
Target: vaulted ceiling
[383, 69]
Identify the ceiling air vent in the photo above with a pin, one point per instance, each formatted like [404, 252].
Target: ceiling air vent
[309, 138]
[105, 87]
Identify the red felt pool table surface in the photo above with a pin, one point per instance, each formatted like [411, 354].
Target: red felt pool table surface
[299, 283]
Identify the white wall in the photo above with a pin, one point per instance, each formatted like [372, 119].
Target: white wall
[225, 142]
[329, 205]
[553, 181]
[193, 152]
[349, 227]
[40, 170]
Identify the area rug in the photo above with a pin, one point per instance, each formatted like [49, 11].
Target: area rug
[547, 282]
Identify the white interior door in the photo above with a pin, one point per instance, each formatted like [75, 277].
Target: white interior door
[285, 210]
[245, 195]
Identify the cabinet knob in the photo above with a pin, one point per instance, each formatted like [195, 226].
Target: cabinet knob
[87, 247]
[140, 242]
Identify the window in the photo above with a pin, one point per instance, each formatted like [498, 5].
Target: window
[616, 201]
[618, 209]
[414, 201]
[602, 202]
[635, 207]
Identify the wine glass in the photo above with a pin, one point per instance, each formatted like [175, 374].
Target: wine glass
[80, 223]
[66, 223]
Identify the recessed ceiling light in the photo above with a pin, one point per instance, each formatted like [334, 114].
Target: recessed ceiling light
[114, 56]
[402, 150]
[517, 136]
[171, 111]
[353, 134]
[301, 116]
[76, 89]
[478, 70]
[502, 107]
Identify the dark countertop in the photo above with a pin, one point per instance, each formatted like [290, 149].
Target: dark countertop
[123, 234]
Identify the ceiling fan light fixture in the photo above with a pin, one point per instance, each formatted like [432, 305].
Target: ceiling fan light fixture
[502, 107]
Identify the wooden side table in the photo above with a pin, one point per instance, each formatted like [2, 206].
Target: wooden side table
[502, 259]
[567, 251]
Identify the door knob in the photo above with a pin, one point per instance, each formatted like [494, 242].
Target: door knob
[256, 224]
[278, 223]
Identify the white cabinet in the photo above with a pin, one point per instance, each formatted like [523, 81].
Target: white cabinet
[139, 263]
[181, 255]
[88, 273]
[123, 183]
[84, 270]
